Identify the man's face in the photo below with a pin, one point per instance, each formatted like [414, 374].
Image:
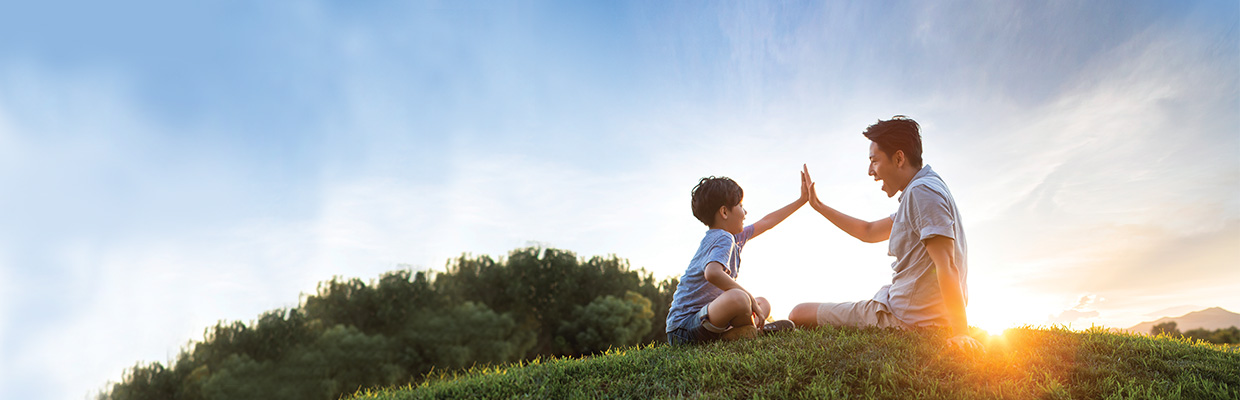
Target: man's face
[883, 168]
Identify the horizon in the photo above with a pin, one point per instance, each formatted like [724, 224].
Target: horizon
[170, 166]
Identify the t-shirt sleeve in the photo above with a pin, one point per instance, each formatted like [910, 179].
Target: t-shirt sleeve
[933, 217]
[720, 250]
[744, 236]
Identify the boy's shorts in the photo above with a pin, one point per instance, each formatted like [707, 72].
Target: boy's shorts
[695, 329]
[858, 314]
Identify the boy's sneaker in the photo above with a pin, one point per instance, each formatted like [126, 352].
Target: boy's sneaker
[777, 326]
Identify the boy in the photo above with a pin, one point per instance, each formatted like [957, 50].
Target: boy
[709, 304]
[928, 287]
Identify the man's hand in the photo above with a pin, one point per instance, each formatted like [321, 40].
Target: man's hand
[966, 344]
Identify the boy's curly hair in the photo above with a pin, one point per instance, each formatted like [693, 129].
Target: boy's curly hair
[712, 193]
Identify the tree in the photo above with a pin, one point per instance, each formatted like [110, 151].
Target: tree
[1229, 335]
[352, 334]
[1165, 328]
[607, 322]
[1218, 336]
[542, 288]
[460, 337]
[660, 301]
[151, 382]
[344, 302]
[341, 360]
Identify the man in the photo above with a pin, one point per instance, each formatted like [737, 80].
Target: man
[928, 287]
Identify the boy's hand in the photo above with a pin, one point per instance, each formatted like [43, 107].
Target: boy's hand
[777, 216]
[755, 311]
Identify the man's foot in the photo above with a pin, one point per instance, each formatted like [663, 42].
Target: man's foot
[777, 326]
[740, 332]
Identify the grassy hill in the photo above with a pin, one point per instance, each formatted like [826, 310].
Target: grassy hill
[866, 363]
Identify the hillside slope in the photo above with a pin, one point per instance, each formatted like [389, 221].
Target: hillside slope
[868, 363]
[1208, 319]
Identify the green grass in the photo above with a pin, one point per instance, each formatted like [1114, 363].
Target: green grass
[866, 363]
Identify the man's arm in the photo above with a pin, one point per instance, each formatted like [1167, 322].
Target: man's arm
[869, 232]
[942, 252]
[777, 216]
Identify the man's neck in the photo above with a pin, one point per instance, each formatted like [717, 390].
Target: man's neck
[906, 176]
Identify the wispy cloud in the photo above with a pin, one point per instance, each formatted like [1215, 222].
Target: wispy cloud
[1082, 310]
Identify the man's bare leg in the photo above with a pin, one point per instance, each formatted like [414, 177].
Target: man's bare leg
[805, 315]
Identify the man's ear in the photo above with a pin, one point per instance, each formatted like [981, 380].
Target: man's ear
[898, 159]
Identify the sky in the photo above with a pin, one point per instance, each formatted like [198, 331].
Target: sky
[168, 166]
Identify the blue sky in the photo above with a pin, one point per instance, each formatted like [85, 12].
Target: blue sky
[166, 166]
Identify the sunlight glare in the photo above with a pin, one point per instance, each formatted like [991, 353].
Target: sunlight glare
[995, 311]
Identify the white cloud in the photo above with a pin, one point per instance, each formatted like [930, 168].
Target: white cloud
[1082, 310]
[1068, 317]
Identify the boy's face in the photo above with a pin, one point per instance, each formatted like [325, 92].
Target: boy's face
[732, 219]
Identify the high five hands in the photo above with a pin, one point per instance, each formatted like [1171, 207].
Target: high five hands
[807, 186]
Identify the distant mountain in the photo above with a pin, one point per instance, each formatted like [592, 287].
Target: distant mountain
[1209, 319]
[1177, 310]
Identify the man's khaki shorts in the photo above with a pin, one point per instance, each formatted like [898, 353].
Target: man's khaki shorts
[858, 314]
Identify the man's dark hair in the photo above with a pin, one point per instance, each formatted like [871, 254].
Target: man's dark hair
[899, 133]
[712, 193]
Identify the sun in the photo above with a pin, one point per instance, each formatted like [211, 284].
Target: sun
[996, 306]
[994, 329]
[994, 318]
[992, 324]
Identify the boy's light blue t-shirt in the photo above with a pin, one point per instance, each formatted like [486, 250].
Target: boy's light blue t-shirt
[694, 292]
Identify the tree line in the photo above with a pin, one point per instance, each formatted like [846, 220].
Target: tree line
[1229, 335]
[537, 302]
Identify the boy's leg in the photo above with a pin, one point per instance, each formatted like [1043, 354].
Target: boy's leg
[733, 308]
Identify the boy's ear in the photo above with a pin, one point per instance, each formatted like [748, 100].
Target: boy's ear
[723, 211]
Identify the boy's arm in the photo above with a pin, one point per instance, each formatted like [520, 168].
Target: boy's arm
[869, 232]
[717, 275]
[777, 216]
[942, 252]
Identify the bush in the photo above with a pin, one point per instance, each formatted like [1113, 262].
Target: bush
[351, 334]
